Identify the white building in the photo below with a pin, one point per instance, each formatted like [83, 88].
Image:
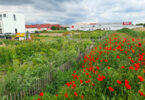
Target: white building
[102, 26]
[11, 22]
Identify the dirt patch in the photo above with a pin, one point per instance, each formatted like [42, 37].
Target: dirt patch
[139, 29]
[50, 34]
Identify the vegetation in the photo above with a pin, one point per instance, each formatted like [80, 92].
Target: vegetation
[132, 32]
[113, 70]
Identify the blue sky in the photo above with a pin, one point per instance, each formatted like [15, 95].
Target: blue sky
[73, 11]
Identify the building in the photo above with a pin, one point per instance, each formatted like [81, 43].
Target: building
[40, 27]
[102, 26]
[11, 22]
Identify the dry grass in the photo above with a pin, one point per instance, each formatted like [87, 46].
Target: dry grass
[139, 29]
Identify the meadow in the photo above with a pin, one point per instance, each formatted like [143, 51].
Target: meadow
[113, 70]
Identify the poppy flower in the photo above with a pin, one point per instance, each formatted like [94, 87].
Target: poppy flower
[82, 97]
[122, 67]
[87, 73]
[56, 94]
[141, 78]
[75, 93]
[68, 84]
[81, 81]
[66, 95]
[106, 60]
[126, 81]
[141, 93]
[127, 86]
[108, 67]
[139, 44]
[118, 57]
[111, 89]
[97, 67]
[119, 82]
[41, 94]
[130, 68]
[126, 52]
[38, 99]
[74, 86]
[93, 84]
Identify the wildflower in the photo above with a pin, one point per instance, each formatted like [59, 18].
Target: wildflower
[38, 99]
[66, 95]
[126, 81]
[141, 78]
[68, 84]
[119, 82]
[56, 94]
[97, 67]
[126, 52]
[87, 73]
[141, 93]
[75, 93]
[118, 57]
[41, 94]
[81, 81]
[82, 97]
[108, 67]
[132, 61]
[106, 60]
[130, 68]
[127, 86]
[111, 89]
[139, 44]
[122, 67]
[93, 84]
[90, 76]
[74, 86]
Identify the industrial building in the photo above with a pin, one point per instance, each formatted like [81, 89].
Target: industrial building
[101, 26]
[11, 22]
[40, 27]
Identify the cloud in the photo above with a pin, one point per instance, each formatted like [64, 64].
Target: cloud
[72, 11]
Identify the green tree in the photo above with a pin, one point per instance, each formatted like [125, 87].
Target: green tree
[53, 28]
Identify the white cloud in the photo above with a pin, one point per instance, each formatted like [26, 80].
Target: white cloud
[71, 11]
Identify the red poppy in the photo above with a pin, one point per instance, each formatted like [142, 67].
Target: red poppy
[75, 93]
[90, 76]
[108, 67]
[93, 84]
[122, 67]
[41, 94]
[126, 81]
[139, 44]
[127, 86]
[130, 68]
[74, 86]
[82, 97]
[87, 73]
[68, 84]
[56, 94]
[81, 81]
[97, 67]
[106, 60]
[38, 99]
[126, 52]
[141, 93]
[141, 78]
[111, 89]
[118, 57]
[66, 95]
[119, 82]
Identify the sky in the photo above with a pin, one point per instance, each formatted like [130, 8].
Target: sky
[73, 11]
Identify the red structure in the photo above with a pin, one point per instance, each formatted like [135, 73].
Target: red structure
[42, 26]
[127, 23]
